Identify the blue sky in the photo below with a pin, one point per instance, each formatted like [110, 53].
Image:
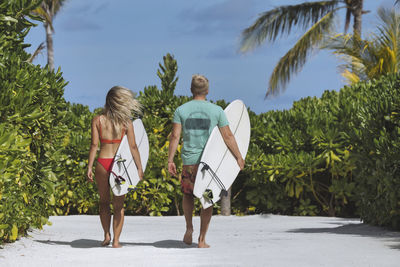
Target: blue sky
[102, 43]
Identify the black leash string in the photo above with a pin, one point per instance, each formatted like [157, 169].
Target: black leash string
[215, 177]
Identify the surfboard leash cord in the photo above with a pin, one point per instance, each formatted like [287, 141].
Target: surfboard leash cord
[215, 177]
[121, 160]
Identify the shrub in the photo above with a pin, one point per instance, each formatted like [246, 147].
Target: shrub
[30, 127]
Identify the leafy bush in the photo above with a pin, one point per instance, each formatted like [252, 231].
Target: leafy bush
[30, 128]
[73, 194]
[377, 145]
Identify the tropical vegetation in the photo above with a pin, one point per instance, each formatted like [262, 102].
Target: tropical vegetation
[336, 155]
[47, 10]
[316, 18]
[374, 56]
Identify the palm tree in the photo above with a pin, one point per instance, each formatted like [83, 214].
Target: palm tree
[375, 56]
[48, 10]
[316, 18]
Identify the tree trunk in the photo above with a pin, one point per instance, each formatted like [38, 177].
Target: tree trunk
[49, 44]
[357, 9]
[226, 203]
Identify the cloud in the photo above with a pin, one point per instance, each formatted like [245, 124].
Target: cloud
[223, 52]
[100, 8]
[226, 17]
[79, 24]
[86, 8]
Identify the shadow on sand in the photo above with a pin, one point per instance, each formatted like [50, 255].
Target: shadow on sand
[90, 243]
[359, 229]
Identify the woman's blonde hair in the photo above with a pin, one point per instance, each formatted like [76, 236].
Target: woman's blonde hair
[199, 85]
[121, 106]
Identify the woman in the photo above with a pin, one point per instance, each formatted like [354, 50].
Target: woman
[109, 128]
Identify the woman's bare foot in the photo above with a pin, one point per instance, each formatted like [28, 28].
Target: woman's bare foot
[106, 241]
[203, 245]
[116, 245]
[187, 238]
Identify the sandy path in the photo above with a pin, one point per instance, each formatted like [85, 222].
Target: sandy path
[262, 240]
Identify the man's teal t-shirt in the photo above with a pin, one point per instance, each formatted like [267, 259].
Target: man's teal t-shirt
[198, 118]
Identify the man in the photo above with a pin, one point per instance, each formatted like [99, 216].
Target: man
[195, 120]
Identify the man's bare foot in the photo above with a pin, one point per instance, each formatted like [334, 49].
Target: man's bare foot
[203, 245]
[187, 238]
[106, 241]
[116, 245]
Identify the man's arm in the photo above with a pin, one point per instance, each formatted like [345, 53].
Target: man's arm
[230, 142]
[173, 145]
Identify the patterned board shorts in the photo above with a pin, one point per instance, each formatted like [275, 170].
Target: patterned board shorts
[188, 178]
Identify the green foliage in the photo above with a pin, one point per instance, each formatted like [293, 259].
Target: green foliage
[300, 156]
[73, 194]
[334, 155]
[31, 128]
[377, 142]
[167, 74]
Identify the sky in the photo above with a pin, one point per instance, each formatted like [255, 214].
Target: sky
[102, 43]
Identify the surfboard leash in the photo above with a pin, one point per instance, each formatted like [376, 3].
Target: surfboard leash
[119, 161]
[215, 177]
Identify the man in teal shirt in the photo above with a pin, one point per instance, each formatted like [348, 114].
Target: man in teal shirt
[195, 120]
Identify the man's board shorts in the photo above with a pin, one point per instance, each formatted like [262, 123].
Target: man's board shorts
[188, 178]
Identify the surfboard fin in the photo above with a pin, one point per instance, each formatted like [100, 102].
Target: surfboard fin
[120, 160]
[208, 196]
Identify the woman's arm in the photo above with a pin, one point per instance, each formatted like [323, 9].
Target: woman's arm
[134, 149]
[93, 148]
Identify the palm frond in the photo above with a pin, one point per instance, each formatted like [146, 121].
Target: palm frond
[296, 57]
[358, 55]
[48, 9]
[36, 53]
[378, 55]
[281, 20]
[350, 77]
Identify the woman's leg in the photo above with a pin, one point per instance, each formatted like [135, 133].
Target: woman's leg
[104, 203]
[118, 219]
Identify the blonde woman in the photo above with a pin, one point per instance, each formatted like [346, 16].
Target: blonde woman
[108, 129]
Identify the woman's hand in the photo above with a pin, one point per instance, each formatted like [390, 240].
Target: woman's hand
[90, 175]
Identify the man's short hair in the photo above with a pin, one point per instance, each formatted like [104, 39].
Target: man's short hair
[199, 85]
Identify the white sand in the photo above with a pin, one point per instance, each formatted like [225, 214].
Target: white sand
[262, 240]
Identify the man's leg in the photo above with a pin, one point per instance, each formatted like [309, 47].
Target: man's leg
[205, 218]
[187, 183]
[188, 206]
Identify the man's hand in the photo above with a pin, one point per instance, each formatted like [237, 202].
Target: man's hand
[172, 168]
[240, 162]
[141, 174]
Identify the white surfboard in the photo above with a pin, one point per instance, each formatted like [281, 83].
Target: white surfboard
[124, 175]
[218, 167]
